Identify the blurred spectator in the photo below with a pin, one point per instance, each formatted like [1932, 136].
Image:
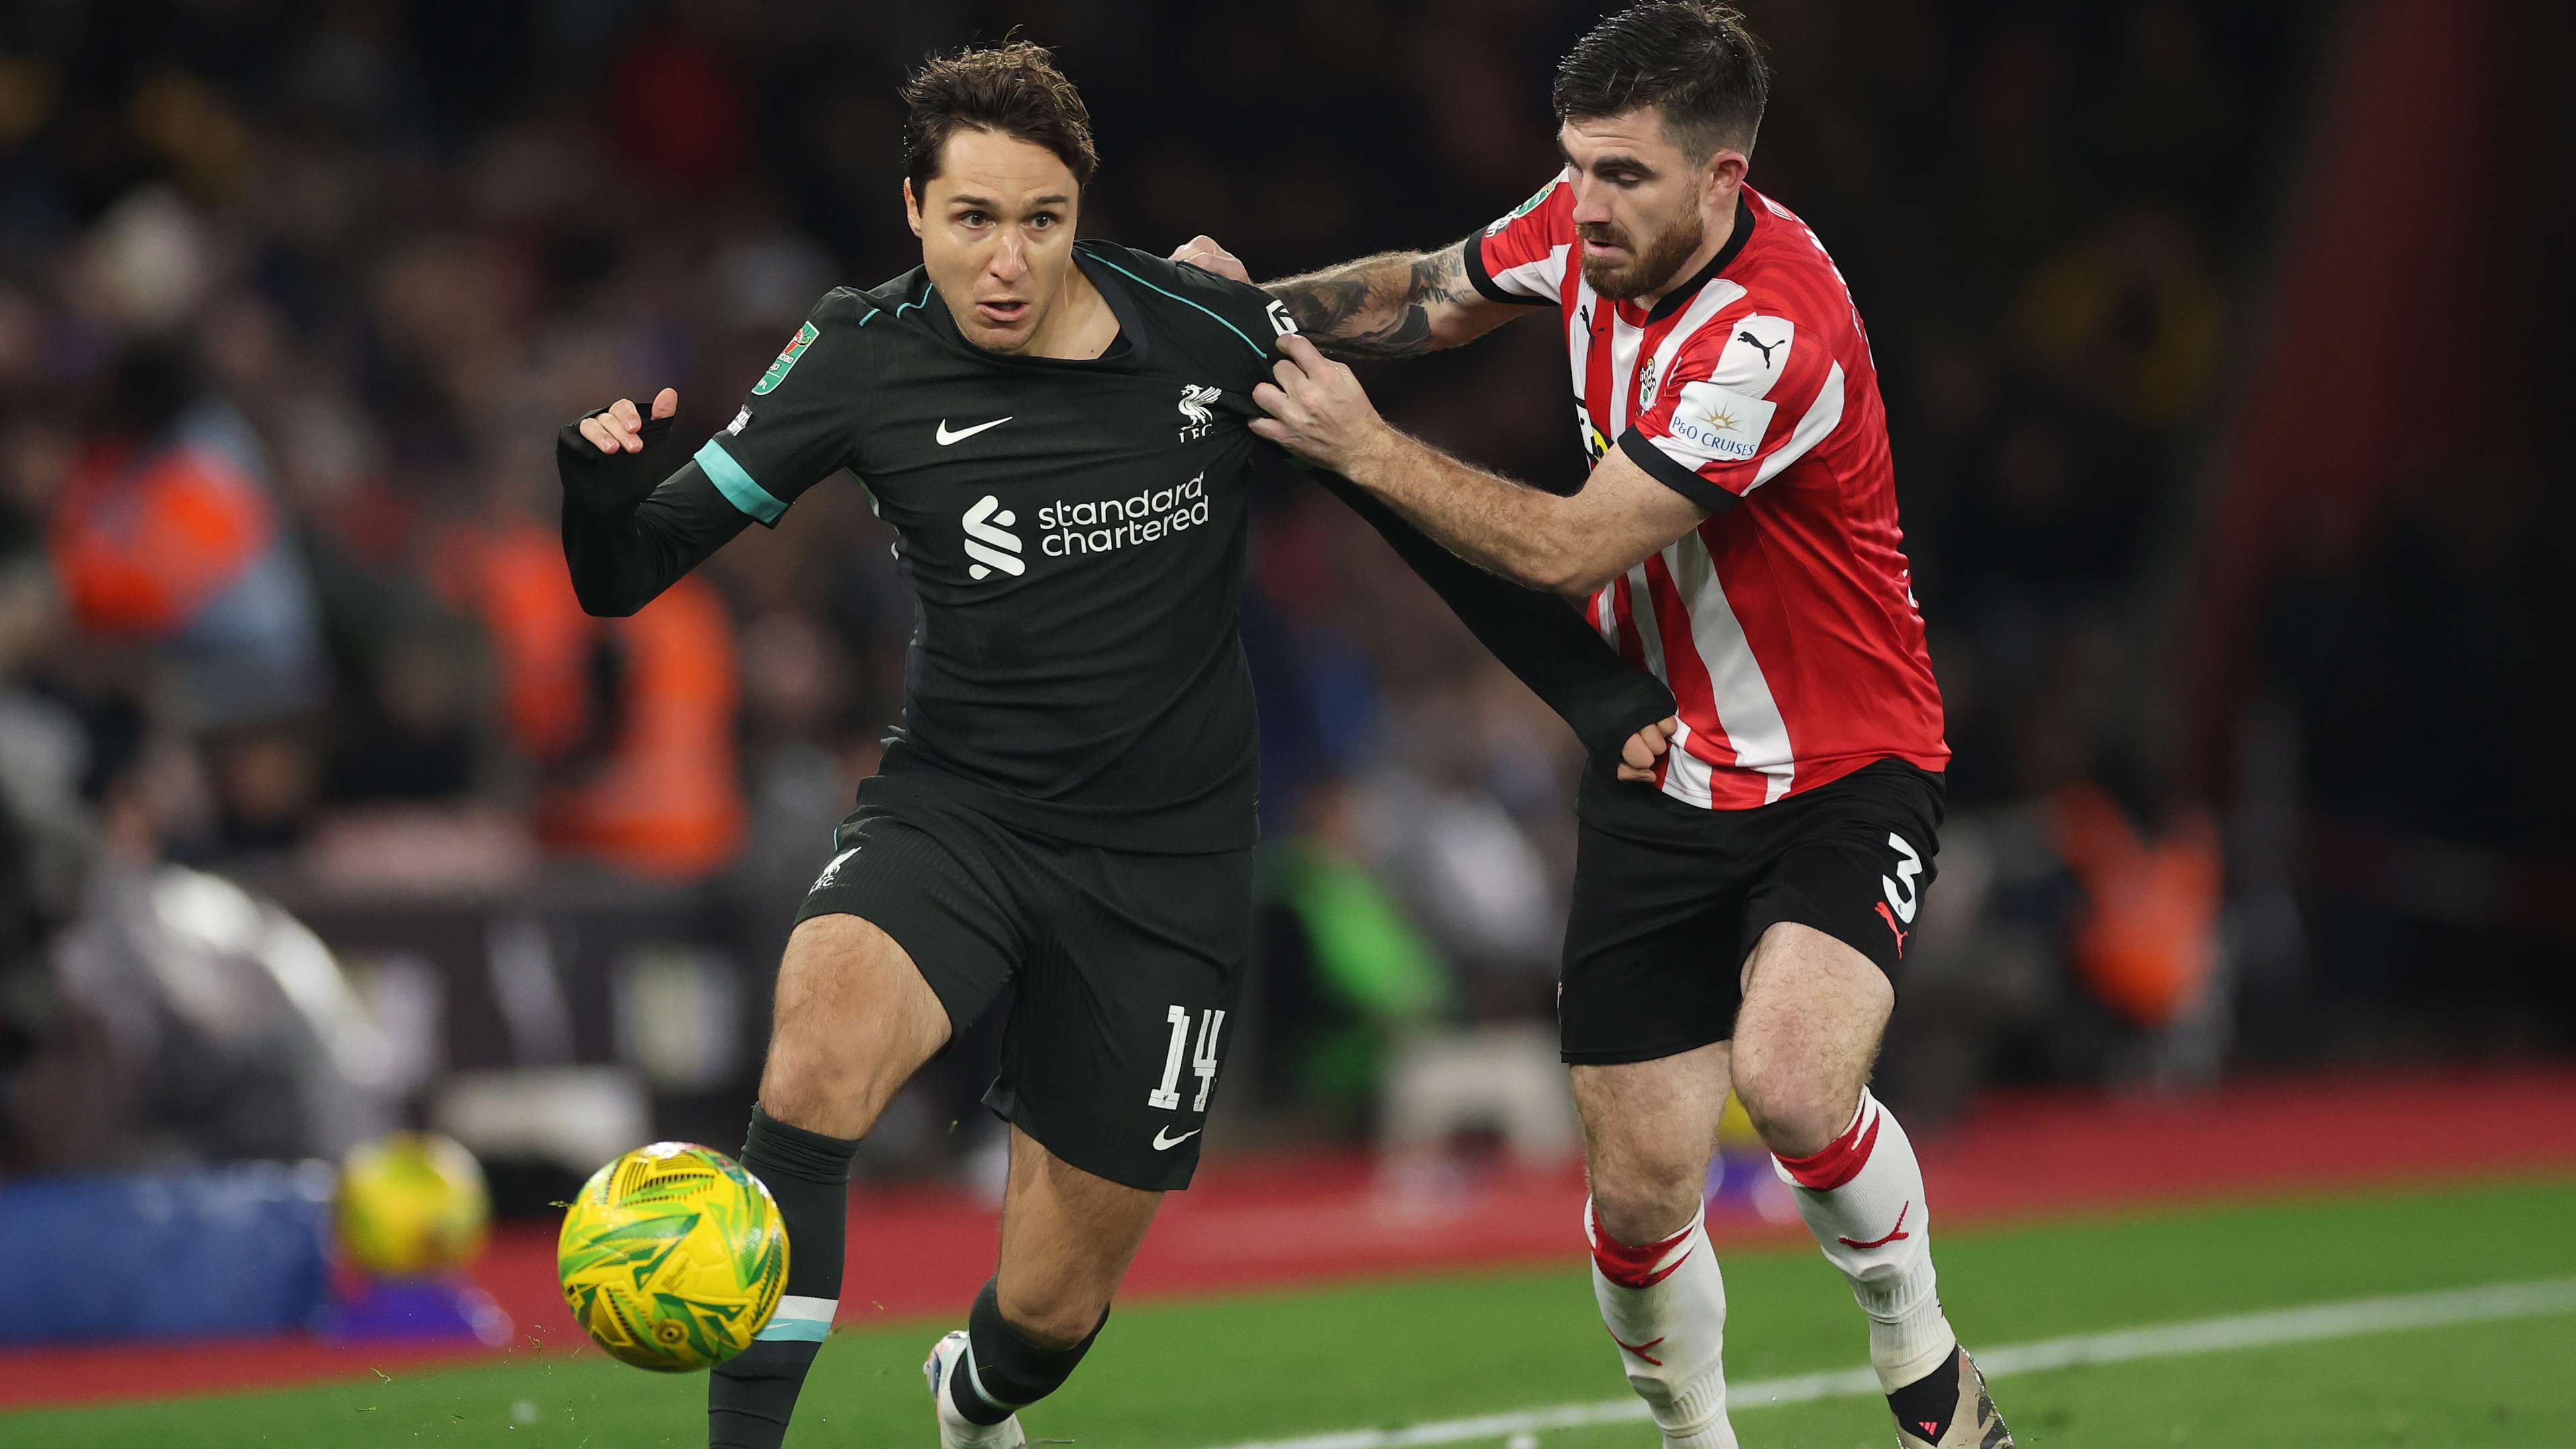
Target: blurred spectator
[166, 533]
[630, 721]
[1344, 975]
[181, 1017]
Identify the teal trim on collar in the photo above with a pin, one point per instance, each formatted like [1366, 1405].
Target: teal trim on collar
[1257, 349]
[736, 485]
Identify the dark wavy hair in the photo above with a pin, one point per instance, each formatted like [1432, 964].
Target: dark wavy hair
[1692, 60]
[1012, 89]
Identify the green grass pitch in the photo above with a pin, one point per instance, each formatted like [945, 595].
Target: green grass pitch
[1222, 1371]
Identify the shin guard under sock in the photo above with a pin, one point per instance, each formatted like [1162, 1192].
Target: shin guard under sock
[1665, 1306]
[751, 1395]
[1862, 1196]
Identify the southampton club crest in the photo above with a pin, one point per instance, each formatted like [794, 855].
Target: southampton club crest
[1195, 417]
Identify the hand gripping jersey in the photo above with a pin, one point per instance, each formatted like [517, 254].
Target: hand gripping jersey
[1787, 626]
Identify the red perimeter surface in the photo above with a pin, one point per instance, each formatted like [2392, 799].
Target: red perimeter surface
[1267, 1222]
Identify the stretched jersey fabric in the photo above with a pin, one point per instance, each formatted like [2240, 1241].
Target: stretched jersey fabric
[1073, 532]
[1787, 627]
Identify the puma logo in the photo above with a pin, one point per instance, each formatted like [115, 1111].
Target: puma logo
[1894, 1234]
[1765, 347]
[1639, 1349]
[1888, 916]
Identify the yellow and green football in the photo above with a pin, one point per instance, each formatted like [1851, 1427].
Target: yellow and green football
[672, 1257]
[410, 1205]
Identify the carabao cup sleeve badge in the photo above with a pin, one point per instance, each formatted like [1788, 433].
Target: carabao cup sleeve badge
[786, 362]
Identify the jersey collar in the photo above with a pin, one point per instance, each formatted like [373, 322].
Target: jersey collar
[1680, 297]
[1126, 351]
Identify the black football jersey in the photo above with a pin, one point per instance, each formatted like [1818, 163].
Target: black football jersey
[1073, 532]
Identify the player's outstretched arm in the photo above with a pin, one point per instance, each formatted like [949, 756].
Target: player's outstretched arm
[1395, 304]
[1569, 544]
[1623, 715]
[631, 524]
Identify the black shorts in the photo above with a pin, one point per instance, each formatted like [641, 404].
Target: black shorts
[1126, 966]
[1663, 920]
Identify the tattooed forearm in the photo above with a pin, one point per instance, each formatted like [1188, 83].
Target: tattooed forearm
[1389, 305]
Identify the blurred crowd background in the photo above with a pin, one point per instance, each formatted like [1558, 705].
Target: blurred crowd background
[2208, 331]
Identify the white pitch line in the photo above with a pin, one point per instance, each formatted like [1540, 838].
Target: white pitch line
[2352, 1318]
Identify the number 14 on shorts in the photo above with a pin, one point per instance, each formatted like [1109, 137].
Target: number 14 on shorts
[1167, 1097]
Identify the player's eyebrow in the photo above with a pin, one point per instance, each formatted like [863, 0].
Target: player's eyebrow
[1606, 163]
[1052, 198]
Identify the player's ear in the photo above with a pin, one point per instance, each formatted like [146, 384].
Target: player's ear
[911, 207]
[1723, 173]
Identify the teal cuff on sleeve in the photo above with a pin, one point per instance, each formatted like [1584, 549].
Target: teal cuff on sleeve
[736, 485]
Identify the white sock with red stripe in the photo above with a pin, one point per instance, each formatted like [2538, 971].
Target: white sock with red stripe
[1862, 1197]
[1665, 1303]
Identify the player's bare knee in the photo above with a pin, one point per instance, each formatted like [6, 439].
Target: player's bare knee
[1797, 1107]
[1639, 1217]
[808, 1084]
[825, 1082]
[854, 1021]
[1647, 1195]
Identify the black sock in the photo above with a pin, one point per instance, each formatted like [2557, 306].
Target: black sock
[751, 1395]
[1012, 1372]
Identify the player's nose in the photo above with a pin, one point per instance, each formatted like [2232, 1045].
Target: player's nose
[1591, 208]
[1010, 259]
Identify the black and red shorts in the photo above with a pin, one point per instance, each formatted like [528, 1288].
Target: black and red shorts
[1669, 901]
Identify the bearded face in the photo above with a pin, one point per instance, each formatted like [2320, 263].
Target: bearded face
[1641, 199]
[1634, 265]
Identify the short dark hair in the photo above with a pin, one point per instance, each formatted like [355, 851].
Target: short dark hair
[1012, 89]
[1692, 60]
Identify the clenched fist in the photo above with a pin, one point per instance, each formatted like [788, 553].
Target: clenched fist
[1637, 757]
[619, 429]
[610, 460]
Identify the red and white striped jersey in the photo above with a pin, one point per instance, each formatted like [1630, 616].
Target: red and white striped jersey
[1787, 627]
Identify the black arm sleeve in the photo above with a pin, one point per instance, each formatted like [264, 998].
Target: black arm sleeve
[625, 545]
[1562, 659]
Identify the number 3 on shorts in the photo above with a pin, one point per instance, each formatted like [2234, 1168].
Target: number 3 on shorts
[1167, 1097]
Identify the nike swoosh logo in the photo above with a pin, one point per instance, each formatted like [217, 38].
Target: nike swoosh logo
[946, 437]
[1162, 1146]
